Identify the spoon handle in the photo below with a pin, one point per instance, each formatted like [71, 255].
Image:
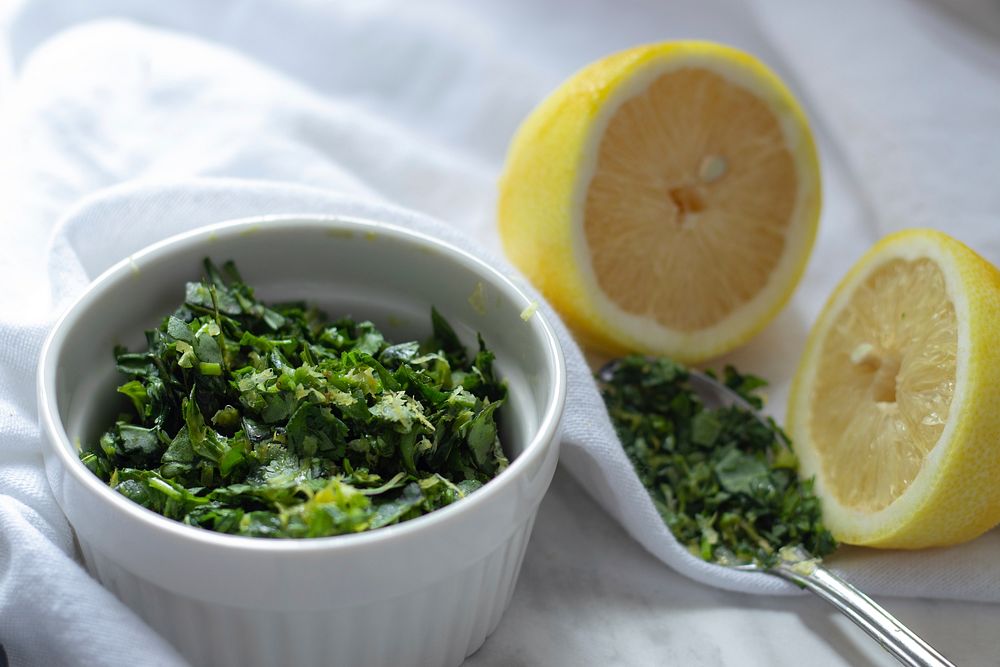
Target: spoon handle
[894, 637]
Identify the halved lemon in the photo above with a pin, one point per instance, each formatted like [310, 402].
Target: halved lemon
[895, 407]
[664, 199]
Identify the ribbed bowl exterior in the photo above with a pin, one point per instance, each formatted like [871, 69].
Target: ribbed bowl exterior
[439, 624]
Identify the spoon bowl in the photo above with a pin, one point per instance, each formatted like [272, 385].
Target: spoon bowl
[798, 566]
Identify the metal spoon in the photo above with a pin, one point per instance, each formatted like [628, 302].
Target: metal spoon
[798, 566]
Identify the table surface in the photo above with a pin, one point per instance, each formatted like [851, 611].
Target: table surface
[590, 595]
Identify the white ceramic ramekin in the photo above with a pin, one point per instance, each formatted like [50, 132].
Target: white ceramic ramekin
[425, 592]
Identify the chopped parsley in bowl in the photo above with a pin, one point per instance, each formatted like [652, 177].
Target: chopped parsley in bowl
[274, 421]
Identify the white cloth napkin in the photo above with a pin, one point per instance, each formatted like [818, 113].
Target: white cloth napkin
[133, 121]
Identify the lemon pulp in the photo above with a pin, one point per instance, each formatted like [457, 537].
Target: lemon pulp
[692, 195]
[885, 382]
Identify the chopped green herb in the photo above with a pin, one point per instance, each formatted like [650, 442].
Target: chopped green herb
[270, 421]
[724, 483]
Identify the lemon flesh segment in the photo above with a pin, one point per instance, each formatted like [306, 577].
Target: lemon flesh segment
[885, 383]
[664, 199]
[692, 195]
[895, 406]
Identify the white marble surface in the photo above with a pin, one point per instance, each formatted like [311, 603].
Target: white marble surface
[589, 595]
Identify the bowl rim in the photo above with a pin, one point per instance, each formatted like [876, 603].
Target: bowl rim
[58, 439]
